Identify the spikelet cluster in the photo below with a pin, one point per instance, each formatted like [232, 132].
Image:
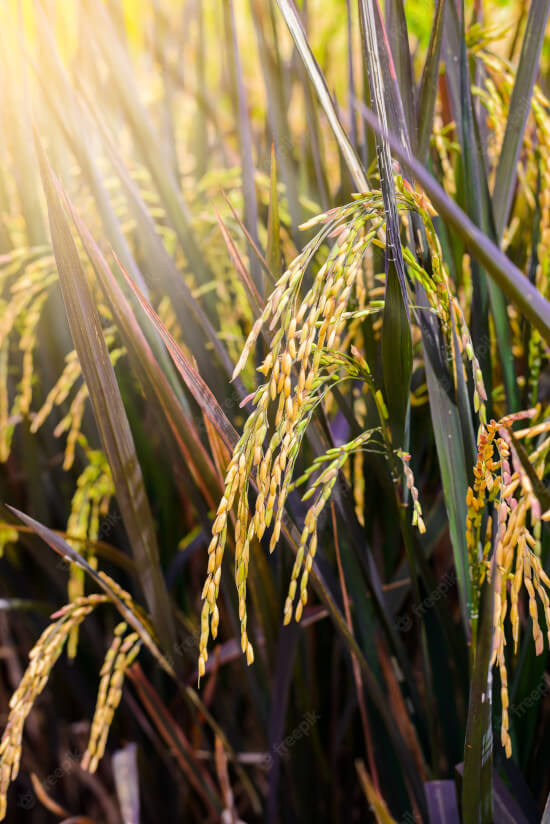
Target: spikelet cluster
[445, 148]
[417, 519]
[485, 490]
[94, 491]
[120, 655]
[537, 350]
[533, 180]
[26, 276]
[495, 100]
[306, 335]
[72, 421]
[43, 657]
[511, 547]
[294, 384]
[442, 301]
[480, 36]
[328, 466]
[129, 603]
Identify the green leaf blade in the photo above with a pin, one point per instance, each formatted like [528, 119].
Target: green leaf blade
[109, 413]
[396, 355]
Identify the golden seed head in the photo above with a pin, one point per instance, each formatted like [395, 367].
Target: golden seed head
[249, 654]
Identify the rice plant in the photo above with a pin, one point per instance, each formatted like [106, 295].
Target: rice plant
[274, 330]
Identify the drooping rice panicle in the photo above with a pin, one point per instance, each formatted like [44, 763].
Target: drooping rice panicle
[120, 655]
[501, 482]
[42, 659]
[307, 357]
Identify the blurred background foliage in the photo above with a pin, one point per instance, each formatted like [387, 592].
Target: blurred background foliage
[158, 118]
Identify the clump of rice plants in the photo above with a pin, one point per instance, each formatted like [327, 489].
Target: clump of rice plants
[306, 359]
[274, 330]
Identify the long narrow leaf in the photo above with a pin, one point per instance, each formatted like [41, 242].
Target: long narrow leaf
[59, 545]
[274, 81]
[520, 103]
[62, 101]
[273, 251]
[428, 85]
[162, 265]
[292, 19]
[396, 332]
[398, 38]
[245, 141]
[176, 741]
[192, 449]
[511, 280]
[477, 784]
[108, 409]
[128, 94]
[476, 201]
[450, 453]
